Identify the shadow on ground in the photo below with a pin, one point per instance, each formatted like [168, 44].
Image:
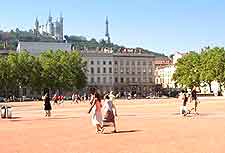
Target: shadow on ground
[17, 119]
[123, 131]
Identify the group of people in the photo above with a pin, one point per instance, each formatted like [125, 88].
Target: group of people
[58, 99]
[103, 111]
[189, 98]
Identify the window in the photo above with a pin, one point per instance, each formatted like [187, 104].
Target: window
[133, 79]
[110, 70]
[133, 71]
[92, 70]
[150, 80]
[110, 79]
[92, 62]
[98, 79]
[116, 80]
[139, 71]
[128, 80]
[104, 80]
[110, 62]
[121, 70]
[138, 63]
[127, 70]
[121, 62]
[145, 79]
[144, 70]
[104, 70]
[139, 79]
[133, 62]
[144, 63]
[127, 63]
[121, 80]
[98, 62]
[92, 80]
[115, 70]
[104, 62]
[116, 62]
[98, 70]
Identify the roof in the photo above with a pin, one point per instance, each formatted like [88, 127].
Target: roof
[36, 48]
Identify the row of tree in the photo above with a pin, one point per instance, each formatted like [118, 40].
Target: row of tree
[195, 69]
[53, 70]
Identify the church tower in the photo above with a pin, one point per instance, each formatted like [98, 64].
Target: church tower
[50, 25]
[107, 30]
[36, 27]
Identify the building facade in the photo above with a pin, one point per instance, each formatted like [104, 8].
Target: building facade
[121, 71]
[164, 70]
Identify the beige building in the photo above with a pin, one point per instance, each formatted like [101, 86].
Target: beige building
[164, 75]
[164, 70]
[100, 69]
[122, 71]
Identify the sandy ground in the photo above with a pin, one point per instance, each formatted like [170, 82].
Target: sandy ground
[145, 126]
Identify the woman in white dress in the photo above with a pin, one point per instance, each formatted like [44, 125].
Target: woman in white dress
[96, 113]
[109, 111]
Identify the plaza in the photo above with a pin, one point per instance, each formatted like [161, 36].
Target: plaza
[144, 126]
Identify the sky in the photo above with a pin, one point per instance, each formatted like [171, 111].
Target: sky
[164, 26]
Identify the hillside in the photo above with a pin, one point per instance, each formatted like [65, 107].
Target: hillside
[9, 40]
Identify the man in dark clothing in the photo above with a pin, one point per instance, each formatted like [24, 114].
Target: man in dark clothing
[194, 98]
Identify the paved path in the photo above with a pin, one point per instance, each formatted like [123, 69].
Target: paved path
[145, 126]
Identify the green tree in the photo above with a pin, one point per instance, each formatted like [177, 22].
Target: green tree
[187, 70]
[7, 78]
[212, 65]
[62, 70]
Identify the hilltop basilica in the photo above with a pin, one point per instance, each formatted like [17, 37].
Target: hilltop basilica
[52, 28]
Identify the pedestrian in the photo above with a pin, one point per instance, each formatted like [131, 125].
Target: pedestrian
[73, 97]
[110, 112]
[194, 98]
[61, 99]
[111, 96]
[185, 97]
[55, 98]
[47, 105]
[96, 113]
[92, 97]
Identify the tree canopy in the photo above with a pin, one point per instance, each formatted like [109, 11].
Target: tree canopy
[56, 70]
[193, 68]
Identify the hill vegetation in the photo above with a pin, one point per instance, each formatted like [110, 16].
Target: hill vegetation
[9, 41]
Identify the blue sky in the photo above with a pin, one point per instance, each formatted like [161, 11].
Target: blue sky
[163, 26]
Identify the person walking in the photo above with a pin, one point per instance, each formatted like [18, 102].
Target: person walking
[194, 98]
[55, 99]
[47, 105]
[110, 112]
[96, 113]
[183, 109]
